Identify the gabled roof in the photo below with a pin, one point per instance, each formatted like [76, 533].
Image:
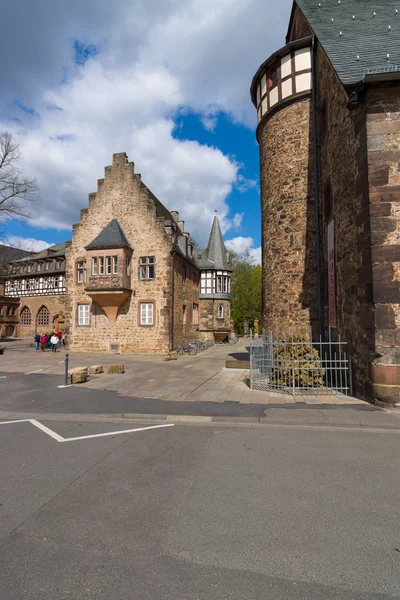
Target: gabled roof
[8, 254]
[356, 28]
[50, 252]
[214, 256]
[112, 236]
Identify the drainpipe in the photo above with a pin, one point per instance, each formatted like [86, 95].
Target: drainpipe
[172, 318]
[316, 186]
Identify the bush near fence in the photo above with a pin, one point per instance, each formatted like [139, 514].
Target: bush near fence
[296, 358]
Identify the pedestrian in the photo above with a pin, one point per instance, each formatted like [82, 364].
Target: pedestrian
[54, 342]
[59, 336]
[48, 343]
[43, 342]
[36, 339]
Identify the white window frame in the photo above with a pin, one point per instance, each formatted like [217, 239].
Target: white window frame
[94, 265]
[83, 315]
[146, 314]
[221, 311]
[115, 264]
[108, 265]
[101, 265]
[147, 268]
[81, 271]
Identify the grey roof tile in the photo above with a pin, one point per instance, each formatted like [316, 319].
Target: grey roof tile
[112, 236]
[214, 256]
[366, 36]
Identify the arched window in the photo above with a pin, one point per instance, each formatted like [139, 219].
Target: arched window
[220, 311]
[26, 316]
[43, 317]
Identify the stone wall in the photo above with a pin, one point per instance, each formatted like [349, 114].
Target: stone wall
[122, 195]
[383, 137]
[288, 219]
[54, 304]
[209, 321]
[344, 185]
[186, 293]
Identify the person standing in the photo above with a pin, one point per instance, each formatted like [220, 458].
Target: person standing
[43, 342]
[36, 339]
[54, 342]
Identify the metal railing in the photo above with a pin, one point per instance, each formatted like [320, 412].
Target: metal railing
[299, 364]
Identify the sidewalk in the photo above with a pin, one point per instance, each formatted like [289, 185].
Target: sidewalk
[201, 378]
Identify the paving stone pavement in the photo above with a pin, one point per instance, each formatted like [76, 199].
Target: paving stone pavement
[201, 378]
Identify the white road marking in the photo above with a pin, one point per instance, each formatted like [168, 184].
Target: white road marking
[97, 435]
[60, 438]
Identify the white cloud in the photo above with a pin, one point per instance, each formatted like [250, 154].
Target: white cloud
[30, 244]
[156, 58]
[244, 245]
[237, 220]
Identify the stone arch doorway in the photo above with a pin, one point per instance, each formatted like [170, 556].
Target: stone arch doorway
[59, 321]
[42, 318]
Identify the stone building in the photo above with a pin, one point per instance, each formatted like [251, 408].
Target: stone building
[328, 107]
[36, 283]
[132, 273]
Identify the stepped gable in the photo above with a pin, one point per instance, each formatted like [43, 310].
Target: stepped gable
[359, 38]
[112, 236]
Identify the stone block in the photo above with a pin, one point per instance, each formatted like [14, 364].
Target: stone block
[385, 317]
[79, 375]
[116, 369]
[387, 394]
[96, 369]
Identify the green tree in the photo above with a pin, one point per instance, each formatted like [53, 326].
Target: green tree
[246, 291]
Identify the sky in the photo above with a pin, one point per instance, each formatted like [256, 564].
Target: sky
[166, 81]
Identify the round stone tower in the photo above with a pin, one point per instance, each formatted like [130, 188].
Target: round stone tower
[281, 92]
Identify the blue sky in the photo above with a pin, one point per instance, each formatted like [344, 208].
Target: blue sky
[167, 82]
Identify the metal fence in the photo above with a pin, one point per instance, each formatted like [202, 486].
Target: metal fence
[299, 364]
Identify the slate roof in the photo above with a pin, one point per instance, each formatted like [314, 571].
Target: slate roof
[8, 254]
[214, 256]
[112, 236]
[365, 35]
[51, 252]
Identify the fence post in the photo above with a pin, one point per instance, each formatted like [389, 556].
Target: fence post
[66, 368]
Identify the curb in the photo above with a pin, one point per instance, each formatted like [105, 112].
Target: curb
[252, 422]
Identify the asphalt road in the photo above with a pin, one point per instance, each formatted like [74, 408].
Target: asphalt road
[198, 513]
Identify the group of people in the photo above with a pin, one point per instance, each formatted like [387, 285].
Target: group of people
[49, 340]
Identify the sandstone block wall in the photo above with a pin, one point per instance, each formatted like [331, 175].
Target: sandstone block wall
[288, 219]
[122, 195]
[383, 140]
[186, 293]
[343, 171]
[209, 321]
[54, 304]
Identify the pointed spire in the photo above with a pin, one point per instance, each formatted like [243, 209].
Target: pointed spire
[216, 251]
[112, 236]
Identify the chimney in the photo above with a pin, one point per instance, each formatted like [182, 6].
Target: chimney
[175, 215]
[181, 225]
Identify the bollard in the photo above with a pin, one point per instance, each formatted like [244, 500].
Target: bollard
[66, 369]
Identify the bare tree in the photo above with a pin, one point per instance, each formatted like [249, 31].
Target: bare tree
[16, 192]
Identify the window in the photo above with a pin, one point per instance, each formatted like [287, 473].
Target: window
[195, 314]
[183, 273]
[147, 267]
[225, 285]
[146, 313]
[101, 265]
[30, 267]
[207, 285]
[115, 265]
[47, 265]
[126, 265]
[43, 317]
[26, 316]
[184, 312]
[220, 311]
[108, 265]
[39, 267]
[56, 280]
[83, 315]
[94, 266]
[219, 284]
[81, 272]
